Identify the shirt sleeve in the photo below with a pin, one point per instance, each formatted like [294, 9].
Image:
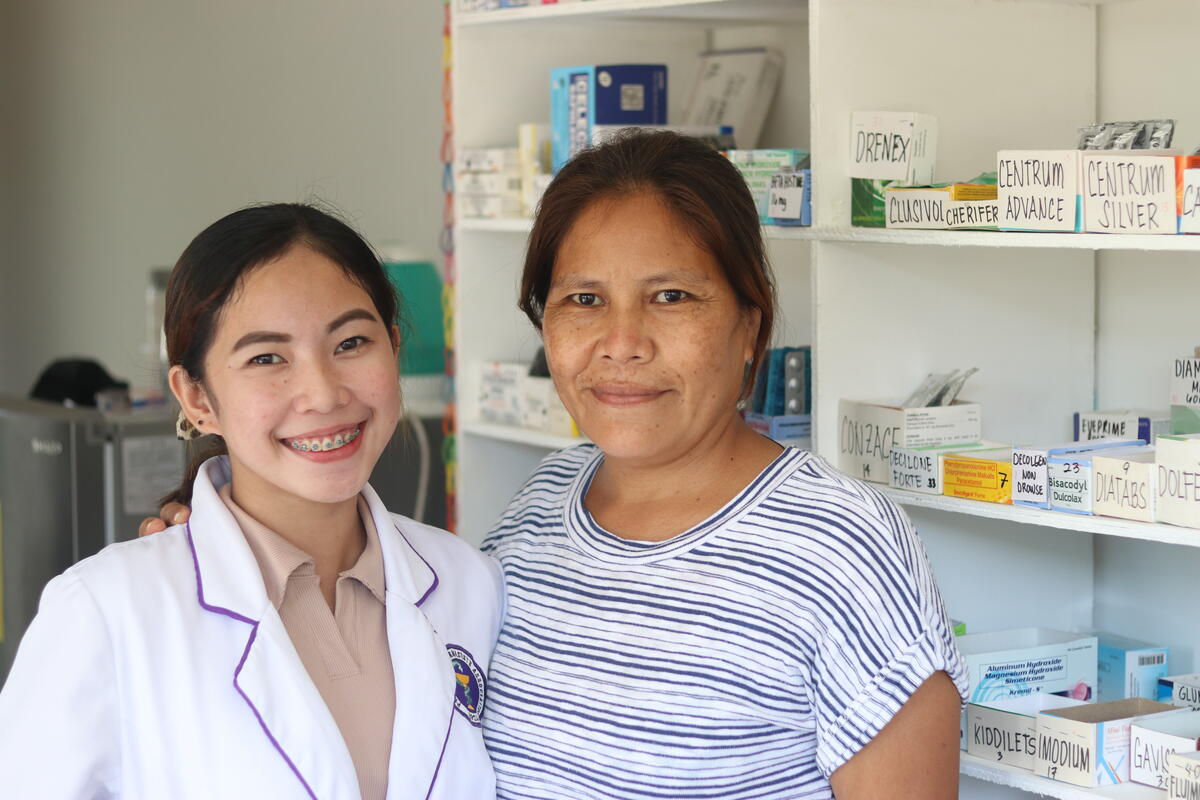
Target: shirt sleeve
[59, 733]
[882, 631]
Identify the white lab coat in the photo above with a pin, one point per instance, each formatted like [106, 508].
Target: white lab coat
[159, 669]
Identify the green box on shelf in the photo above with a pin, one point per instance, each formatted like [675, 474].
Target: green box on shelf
[868, 202]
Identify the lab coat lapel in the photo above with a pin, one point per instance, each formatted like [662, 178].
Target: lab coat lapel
[425, 682]
[269, 675]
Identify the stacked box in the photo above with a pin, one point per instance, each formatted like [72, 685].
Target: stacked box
[487, 183]
[610, 94]
[867, 432]
[533, 162]
[1129, 668]
[1089, 745]
[1121, 424]
[758, 167]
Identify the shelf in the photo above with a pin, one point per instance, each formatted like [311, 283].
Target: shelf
[523, 225]
[774, 11]
[1145, 531]
[1023, 779]
[511, 433]
[1068, 241]
[1064, 241]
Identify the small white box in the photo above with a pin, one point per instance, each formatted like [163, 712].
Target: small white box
[1071, 478]
[868, 432]
[499, 183]
[1005, 731]
[1031, 478]
[893, 145]
[489, 206]
[1183, 776]
[500, 391]
[1128, 192]
[1180, 690]
[1121, 423]
[1178, 460]
[1154, 738]
[1089, 745]
[542, 409]
[1038, 190]
[1125, 486]
[487, 159]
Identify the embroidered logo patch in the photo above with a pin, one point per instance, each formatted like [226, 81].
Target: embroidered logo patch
[470, 687]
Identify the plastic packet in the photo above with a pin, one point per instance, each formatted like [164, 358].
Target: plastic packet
[955, 386]
[1126, 135]
[930, 388]
[1094, 137]
[1161, 132]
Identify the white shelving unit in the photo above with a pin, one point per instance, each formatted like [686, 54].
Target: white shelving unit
[1056, 322]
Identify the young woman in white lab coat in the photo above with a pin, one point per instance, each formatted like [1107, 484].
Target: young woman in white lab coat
[163, 667]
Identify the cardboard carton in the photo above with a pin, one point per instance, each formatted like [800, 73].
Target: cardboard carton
[927, 207]
[1154, 738]
[1089, 745]
[1005, 731]
[1178, 460]
[1125, 486]
[1183, 776]
[1180, 690]
[867, 432]
[1038, 190]
[979, 474]
[1128, 192]
[1071, 477]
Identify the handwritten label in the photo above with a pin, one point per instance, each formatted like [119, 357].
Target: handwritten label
[1038, 189]
[1183, 776]
[1030, 478]
[1186, 695]
[892, 145]
[916, 208]
[1071, 485]
[1189, 202]
[1065, 756]
[1128, 194]
[1149, 752]
[1095, 425]
[1178, 480]
[1185, 382]
[1122, 488]
[915, 470]
[963, 214]
[786, 199]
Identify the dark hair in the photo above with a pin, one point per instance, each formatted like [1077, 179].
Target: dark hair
[700, 186]
[219, 259]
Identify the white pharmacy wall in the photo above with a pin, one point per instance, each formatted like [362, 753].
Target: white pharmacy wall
[138, 122]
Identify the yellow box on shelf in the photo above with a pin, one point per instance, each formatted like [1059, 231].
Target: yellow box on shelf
[979, 475]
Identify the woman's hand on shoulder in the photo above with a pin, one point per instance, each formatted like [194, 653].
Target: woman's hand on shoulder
[177, 513]
[915, 756]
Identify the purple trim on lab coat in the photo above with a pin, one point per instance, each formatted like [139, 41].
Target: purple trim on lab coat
[441, 756]
[242, 662]
[433, 585]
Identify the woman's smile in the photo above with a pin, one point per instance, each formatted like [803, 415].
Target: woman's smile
[331, 444]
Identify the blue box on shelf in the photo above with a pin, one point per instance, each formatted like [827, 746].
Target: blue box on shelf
[612, 94]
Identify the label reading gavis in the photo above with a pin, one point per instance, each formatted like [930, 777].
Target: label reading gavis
[1038, 189]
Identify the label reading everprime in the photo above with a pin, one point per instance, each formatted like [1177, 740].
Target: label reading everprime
[1038, 189]
[1128, 194]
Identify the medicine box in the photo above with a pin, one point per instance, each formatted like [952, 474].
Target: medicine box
[922, 469]
[1183, 776]
[1128, 192]
[1153, 739]
[1031, 481]
[543, 410]
[1121, 424]
[868, 431]
[979, 474]
[500, 392]
[1071, 477]
[1180, 690]
[868, 202]
[927, 207]
[790, 430]
[789, 200]
[1185, 395]
[735, 87]
[1089, 745]
[1025, 661]
[488, 183]
[1178, 459]
[1129, 668]
[486, 159]
[758, 167]
[1125, 486]
[1038, 190]
[893, 146]
[1005, 731]
[610, 94]
[489, 206]
[1187, 193]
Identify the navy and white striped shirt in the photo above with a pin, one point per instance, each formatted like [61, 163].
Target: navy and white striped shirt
[748, 657]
